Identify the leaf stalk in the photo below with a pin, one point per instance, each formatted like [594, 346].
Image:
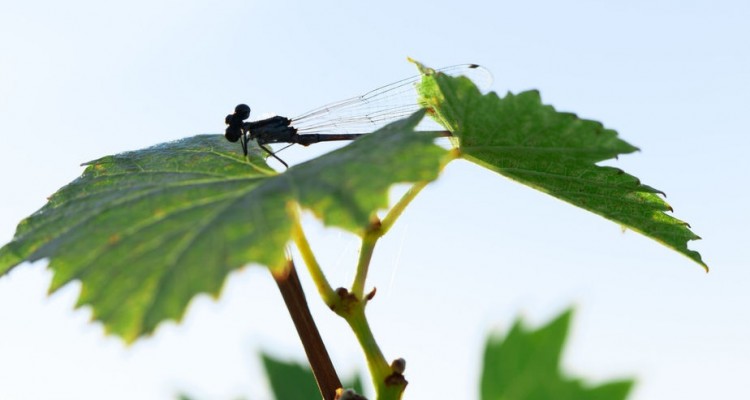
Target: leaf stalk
[316, 272]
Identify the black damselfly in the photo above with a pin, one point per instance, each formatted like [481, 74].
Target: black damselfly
[343, 120]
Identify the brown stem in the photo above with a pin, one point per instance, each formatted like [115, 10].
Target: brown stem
[322, 367]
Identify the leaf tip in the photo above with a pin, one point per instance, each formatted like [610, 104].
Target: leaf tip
[696, 256]
[423, 69]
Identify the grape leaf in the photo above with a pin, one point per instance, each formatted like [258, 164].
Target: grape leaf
[554, 152]
[145, 231]
[291, 381]
[525, 365]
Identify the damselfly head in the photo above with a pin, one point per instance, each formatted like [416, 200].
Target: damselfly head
[234, 122]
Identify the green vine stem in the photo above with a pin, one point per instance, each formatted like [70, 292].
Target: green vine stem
[365, 255]
[399, 207]
[374, 232]
[388, 380]
[316, 273]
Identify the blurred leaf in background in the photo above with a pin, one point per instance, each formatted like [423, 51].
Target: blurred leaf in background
[525, 365]
[291, 381]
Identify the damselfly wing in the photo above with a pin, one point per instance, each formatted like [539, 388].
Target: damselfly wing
[342, 120]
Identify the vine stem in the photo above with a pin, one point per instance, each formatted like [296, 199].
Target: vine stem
[316, 273]
[320, 362]
[399, 207]
[389, 384]
[388, 381]
[374, 232]
[365, 255]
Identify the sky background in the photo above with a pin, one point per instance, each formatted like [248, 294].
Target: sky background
[83, 79]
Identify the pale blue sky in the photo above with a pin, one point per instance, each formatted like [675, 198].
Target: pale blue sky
[81, 79]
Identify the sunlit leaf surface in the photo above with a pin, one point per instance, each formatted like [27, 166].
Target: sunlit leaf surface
[554, 152]
[145, 231]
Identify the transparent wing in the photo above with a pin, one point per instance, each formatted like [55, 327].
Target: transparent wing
[378, 107]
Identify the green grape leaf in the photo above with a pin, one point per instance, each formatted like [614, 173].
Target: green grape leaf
[525, 365]
[146, 231]
[291, 381]
[555, 152]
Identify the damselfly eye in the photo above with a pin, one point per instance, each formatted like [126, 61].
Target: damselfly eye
[242, 111]
[233, 133]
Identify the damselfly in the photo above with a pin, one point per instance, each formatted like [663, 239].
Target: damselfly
[343, 120]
